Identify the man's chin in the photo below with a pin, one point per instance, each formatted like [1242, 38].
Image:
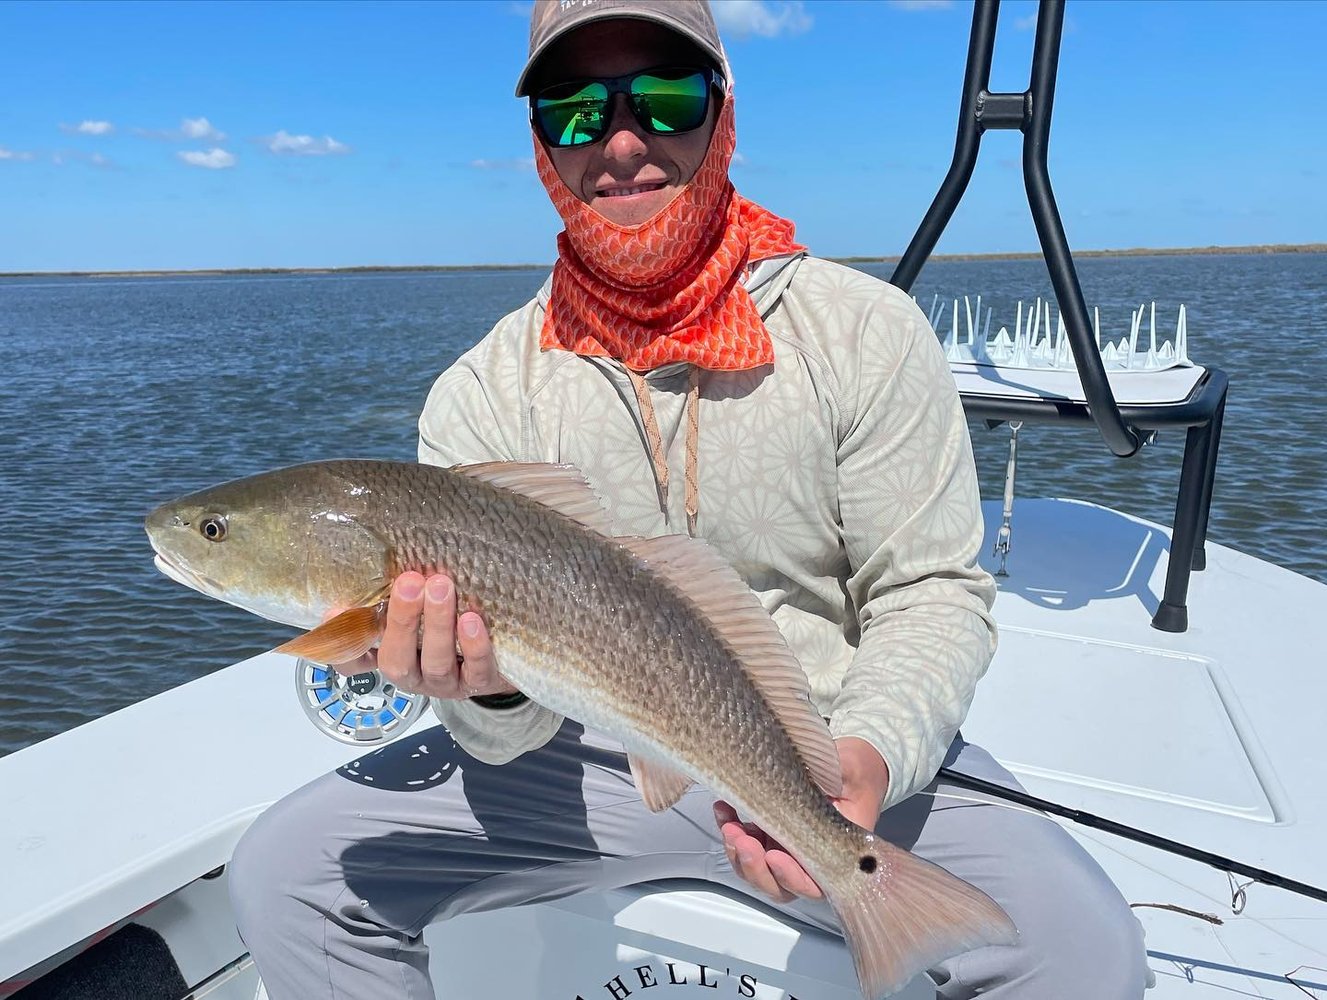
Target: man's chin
[635, 209]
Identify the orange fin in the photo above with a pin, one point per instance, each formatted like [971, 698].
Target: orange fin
[659, 785]
[901, 916]
[349, 635]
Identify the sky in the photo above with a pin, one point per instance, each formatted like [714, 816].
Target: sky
[303, 134]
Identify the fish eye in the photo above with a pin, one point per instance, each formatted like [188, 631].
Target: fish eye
[213, 527]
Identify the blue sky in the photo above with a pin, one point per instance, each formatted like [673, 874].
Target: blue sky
[161, 135]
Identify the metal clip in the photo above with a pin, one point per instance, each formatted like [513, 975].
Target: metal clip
[1005, 536]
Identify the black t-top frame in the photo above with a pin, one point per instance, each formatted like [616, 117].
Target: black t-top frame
[1126, 429]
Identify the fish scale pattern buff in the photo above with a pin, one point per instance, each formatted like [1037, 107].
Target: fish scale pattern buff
[670, 288]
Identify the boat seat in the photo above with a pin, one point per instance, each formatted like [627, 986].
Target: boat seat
[658, 932]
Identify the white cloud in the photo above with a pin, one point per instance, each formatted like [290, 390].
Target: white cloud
[283, 143]
[191, 129]
[766, 18]
[201, 129]
[518, 163]
[213, 159]
[921, 4]
[18, 156]
[88, 127]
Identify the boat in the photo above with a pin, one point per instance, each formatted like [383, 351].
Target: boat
[1184, 754]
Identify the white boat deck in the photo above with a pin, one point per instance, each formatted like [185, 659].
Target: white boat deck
[1211, 737]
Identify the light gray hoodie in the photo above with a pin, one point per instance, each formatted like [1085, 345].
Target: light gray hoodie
[838, 481]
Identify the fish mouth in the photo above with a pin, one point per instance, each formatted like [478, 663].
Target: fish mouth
[190, 579]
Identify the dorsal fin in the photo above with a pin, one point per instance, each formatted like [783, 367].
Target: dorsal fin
[560, 487]
[699, 571]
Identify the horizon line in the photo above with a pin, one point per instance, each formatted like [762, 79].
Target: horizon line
[1266, 248]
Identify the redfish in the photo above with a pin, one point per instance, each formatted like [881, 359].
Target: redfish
[655, 641]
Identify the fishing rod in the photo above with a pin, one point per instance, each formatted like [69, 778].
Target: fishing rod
[1133, 833]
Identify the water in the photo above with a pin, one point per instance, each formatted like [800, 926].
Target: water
[116, 394]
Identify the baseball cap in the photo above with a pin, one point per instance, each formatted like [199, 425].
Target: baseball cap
[551, 19]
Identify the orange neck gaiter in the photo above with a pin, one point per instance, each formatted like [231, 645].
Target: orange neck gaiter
[668, 289]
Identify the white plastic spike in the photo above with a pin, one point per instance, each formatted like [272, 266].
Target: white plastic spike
[1020, 359]
[1182, 336]
[1018, 323]
[1096, 325]
[1152, 335]
[930, 315]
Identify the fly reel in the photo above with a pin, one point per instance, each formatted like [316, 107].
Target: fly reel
[361, 709]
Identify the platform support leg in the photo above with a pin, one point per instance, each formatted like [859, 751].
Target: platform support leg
[1209, 479]
[1173, 614]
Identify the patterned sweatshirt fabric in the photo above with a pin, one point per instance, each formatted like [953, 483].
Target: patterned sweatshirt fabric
[838, 480]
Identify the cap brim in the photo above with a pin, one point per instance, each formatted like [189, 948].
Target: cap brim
[592, 15]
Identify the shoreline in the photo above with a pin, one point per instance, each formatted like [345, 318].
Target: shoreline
[1267, 248]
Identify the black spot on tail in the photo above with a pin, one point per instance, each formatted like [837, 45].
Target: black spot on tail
[867, 863]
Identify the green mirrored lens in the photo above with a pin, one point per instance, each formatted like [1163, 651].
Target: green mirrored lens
[573, 115]
[670, 103]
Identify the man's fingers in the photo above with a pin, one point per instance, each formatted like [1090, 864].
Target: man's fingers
[398, 653]
[479, 668]
[748, 858]
[791, 876]
[752, 865]
[437, 653]
[757, 860]
[359, 665]
[724, 813]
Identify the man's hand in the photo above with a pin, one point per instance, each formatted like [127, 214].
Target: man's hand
[771, 869]
[427, 662]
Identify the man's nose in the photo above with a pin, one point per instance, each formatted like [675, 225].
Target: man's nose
[625, 138]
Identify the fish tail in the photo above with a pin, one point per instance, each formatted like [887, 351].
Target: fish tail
[901, 915]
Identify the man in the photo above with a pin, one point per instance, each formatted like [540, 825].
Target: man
[706, 376]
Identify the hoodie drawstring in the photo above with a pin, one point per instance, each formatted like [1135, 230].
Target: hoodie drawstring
[658, 458]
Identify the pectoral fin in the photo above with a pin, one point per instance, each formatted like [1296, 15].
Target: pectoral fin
[346, 637]
[659, 785]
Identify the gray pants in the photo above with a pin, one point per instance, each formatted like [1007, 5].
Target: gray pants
[334, 885]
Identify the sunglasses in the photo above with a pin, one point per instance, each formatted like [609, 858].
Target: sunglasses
[664, 101]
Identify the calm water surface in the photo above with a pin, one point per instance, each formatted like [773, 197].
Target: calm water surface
[116, 394]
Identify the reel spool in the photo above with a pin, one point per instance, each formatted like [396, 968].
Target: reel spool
[360, 710]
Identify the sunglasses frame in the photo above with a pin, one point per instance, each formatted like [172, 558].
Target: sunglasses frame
[622, 85]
